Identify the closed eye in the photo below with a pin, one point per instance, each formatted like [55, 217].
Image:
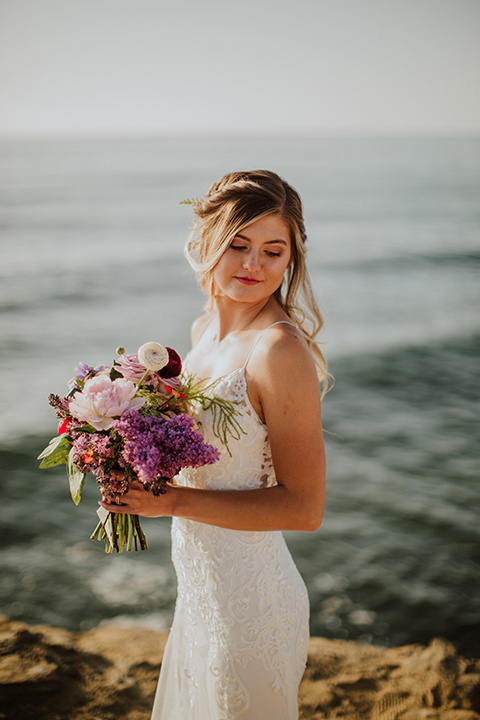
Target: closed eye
[270, 253]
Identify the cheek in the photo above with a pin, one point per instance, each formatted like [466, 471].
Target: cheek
[222, 270]
[284, 264]
[219, 267]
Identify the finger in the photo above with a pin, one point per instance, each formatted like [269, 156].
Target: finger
[114, 508]
[135, 485]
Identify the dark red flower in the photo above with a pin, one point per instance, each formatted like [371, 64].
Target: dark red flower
[174, 366]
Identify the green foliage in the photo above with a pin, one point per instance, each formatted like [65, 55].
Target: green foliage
[157, 403]
[114, 374]
[225, 423]
[56, 452]
[85, 429]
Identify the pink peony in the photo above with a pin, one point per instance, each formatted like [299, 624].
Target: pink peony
[102, 400]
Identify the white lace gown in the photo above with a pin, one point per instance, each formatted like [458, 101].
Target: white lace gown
[239, 638]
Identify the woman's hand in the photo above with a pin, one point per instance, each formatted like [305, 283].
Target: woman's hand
[138, 501]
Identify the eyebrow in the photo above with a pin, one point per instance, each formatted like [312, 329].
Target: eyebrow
[269, 242]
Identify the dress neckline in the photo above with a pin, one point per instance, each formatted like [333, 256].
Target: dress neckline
[243, 368]
[246, 396]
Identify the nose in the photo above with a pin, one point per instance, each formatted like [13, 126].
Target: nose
[252, 261]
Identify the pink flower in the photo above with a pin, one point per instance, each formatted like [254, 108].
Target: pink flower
[103, 399]
[130, 367]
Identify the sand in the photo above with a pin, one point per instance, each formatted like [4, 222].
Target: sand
[110, 673]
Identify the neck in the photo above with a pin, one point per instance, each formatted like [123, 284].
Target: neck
[234, 317]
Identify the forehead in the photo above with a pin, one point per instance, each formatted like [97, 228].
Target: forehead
[269, 229]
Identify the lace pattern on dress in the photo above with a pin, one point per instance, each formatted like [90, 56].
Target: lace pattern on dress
[239, 591]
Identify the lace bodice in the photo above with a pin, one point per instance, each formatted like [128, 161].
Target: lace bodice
[247, 462]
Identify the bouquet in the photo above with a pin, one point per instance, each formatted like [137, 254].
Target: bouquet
[130, 421]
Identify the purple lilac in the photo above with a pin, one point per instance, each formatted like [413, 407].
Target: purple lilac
[91, 451]
[114, 481]
[157, 448]
[60, 404]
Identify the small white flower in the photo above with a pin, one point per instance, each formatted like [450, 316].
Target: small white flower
[153, 356]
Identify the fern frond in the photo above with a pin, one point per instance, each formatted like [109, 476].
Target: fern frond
[224, 421]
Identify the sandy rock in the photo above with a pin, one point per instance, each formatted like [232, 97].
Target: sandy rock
[348, 680]
[110, 673]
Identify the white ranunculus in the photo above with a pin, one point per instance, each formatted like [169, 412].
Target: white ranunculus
[153, 356]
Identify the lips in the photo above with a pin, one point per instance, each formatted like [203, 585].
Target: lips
[247, 280]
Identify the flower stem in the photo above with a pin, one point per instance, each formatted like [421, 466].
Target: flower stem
[143, 378]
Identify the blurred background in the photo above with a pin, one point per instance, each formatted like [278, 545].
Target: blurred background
[113, 112]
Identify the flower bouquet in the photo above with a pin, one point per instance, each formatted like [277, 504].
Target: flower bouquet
[131, 421]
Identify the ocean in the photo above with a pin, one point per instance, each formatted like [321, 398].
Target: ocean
[91, 241]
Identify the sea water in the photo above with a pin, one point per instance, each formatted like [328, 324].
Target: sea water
[92, 234]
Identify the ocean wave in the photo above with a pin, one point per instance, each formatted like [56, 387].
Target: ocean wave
[467, 258]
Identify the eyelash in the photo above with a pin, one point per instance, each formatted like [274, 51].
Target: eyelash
[243, 247]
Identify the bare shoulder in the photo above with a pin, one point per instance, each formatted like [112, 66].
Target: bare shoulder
[283, 360]
[286, 394]
[198, 327]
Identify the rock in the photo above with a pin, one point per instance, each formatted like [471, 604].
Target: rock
[349, 680]
[110, 673]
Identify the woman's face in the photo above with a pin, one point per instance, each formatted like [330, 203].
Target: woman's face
[252, 267]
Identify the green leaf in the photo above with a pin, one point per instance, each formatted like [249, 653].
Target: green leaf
[190, 201]
[56, 452]
[76, 478]
[114, 374]
[85, 428]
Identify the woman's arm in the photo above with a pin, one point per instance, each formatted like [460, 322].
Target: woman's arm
[284, 380]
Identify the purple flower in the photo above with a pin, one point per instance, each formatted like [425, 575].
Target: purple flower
[81, 372]
[156, 448]
[91, 451]
[60, 404]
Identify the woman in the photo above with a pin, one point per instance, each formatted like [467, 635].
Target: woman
[238, 643]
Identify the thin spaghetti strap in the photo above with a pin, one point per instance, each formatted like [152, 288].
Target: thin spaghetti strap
[207, 324]
[279, 322]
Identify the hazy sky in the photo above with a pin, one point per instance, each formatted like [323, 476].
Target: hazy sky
[332, 66]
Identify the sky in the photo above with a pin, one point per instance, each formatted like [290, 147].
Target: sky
[348, 67]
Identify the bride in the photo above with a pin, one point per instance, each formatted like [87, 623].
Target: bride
[238, 642]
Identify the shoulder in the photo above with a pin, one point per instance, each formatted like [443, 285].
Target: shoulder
[286, 391]
[199, 326]
[283, 360]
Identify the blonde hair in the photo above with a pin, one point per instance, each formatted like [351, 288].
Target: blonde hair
[234, 202]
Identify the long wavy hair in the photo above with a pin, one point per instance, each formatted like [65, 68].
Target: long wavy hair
[234, 202]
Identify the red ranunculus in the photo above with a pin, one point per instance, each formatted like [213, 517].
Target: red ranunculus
[174, 367]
